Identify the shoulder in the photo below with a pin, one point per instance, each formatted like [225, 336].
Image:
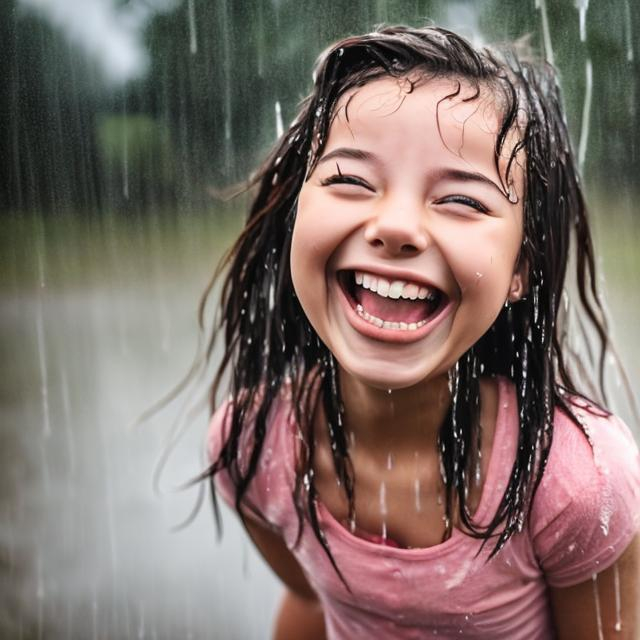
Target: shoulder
[588, 457]
[221, 423]
[587, 507]
[274, 472]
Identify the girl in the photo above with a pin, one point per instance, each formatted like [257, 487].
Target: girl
[407, 441]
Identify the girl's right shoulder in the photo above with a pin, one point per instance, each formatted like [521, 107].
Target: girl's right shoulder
[220, 423]
[275, 472]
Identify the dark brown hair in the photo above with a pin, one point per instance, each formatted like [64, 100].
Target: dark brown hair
[268, 342]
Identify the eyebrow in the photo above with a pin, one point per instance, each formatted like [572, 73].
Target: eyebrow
[466, 176]
[350, 153]
[459, 175]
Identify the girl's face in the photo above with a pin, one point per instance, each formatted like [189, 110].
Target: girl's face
[405, 247]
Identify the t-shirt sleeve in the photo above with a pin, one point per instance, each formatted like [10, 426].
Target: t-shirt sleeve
[587, 508]
[268, 497]
[216, 437]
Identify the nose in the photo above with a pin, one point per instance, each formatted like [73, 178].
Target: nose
[398, 230]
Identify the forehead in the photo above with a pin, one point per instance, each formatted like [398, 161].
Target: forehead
[465, 118]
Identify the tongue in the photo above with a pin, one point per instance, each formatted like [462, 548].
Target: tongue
[399, 310]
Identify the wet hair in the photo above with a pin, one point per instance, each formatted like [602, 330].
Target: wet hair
[269, 343]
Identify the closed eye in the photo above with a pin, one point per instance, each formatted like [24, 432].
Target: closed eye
[465, 200]
[341, 178]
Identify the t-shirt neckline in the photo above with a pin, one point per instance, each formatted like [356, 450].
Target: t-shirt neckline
[498, 472]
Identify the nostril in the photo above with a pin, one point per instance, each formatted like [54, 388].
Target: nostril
[377, 242]
[408, 248]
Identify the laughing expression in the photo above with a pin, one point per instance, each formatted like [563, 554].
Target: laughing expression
[405, 246]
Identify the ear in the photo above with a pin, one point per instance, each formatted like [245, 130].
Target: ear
[519, 286]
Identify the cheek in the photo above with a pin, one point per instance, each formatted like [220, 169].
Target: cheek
[308, 265]
[298, 261]
[485, 262]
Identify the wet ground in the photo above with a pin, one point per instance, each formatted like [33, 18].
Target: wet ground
[87, 550]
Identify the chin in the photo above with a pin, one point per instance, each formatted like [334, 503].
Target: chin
[387, 375]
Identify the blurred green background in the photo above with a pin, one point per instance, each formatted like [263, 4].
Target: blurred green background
[121, 125]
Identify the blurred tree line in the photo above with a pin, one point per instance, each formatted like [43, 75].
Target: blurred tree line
[205, 113]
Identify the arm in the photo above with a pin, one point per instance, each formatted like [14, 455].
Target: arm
[300, 614]
[575, 611]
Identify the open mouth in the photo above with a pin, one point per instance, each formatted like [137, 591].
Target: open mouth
[391, 304]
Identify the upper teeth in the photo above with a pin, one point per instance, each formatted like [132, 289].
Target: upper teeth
[394, 289]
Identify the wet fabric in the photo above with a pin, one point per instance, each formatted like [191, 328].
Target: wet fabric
[586, 512]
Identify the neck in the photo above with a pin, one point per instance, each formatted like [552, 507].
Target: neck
[401, 419]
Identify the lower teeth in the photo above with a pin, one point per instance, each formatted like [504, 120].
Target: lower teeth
[384, 324]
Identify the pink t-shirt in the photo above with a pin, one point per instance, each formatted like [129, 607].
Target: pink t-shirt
[585, 513]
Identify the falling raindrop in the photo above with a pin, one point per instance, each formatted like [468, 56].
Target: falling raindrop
[586, 115]
[44, 371]
[272, 294]
[546, 35]
[141, 623]
[582, 6]
[596, 597]
[627, 31]
[193, 36]
[616, 587]
[279, 125]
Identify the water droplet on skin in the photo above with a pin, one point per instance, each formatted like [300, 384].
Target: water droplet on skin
[383, 499]
[478, 473]
[416, 487]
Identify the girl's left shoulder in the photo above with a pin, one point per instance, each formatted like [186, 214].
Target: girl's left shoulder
[590, 447]
[587, 508]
